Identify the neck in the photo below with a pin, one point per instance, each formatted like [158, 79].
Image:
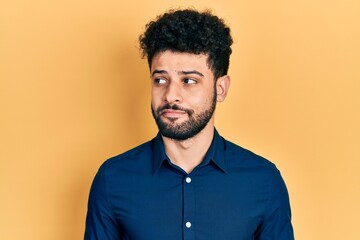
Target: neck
[189, 153]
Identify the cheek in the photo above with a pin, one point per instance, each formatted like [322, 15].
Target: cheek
[201, 98]
[155, 98]
[156, 93]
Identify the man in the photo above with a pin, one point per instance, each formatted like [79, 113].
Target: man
[188, 182]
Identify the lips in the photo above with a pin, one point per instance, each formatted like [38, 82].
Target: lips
[171, 113]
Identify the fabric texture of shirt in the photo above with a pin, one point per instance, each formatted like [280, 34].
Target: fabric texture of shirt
[233, 194]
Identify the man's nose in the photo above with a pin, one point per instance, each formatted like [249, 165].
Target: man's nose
[173, 94]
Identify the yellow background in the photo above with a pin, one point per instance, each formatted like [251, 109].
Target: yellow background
[74, 92]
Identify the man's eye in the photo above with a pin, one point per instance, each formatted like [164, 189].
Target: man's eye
[160, 81]
[189, 81]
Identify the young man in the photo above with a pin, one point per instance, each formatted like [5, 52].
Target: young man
[188, 182]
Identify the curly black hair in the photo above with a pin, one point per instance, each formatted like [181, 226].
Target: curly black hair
[189, 31]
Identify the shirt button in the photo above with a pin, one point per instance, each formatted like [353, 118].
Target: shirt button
[188, 180]
[188, 224]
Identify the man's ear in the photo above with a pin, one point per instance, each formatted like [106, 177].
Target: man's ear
[222, 87]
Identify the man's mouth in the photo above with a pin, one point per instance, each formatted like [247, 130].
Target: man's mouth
[171, 113]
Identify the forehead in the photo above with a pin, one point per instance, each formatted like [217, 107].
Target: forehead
[181, 61]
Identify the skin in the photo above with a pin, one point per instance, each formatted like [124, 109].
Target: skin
[186, 80]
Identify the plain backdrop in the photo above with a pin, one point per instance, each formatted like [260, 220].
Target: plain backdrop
[74, 91]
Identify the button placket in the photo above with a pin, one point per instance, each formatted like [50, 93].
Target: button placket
[189, 208]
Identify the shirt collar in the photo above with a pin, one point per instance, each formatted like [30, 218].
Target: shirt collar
[159, 155]
[215, 154]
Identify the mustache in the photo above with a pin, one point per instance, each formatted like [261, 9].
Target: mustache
[174, 107]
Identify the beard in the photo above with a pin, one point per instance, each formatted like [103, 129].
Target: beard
[187, 129]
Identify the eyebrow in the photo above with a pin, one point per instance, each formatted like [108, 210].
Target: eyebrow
[158, 72]
[192, 72]
[181, 72]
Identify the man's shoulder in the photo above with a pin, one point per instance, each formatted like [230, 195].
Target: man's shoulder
[239, 156]
[138, 155]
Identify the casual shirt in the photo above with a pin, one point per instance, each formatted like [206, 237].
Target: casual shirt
[233, 194]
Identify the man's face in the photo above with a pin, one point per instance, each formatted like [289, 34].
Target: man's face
[183, 93]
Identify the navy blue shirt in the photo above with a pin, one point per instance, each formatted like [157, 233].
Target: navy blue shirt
[232, 195]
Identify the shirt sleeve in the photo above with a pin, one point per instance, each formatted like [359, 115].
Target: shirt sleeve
[277, 222]
[100, 220]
